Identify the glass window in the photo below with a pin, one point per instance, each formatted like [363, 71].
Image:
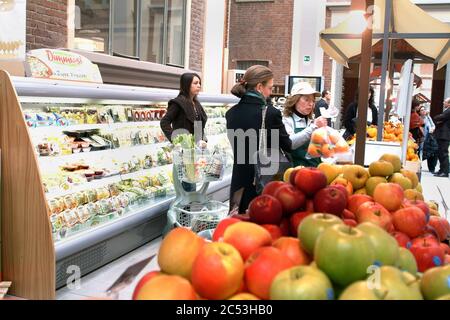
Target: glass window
[175, 32]
[152, 30]
[92, 25]
[124, 34]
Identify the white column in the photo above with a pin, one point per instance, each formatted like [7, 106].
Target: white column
[309, 20]
[187, 40]
[213, 46]
[447, 82]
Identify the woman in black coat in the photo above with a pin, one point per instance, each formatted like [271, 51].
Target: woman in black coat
[244, 122]
[351, 115]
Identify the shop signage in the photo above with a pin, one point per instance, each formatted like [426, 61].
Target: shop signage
[12, 29]
[306, 60]
[61, 65]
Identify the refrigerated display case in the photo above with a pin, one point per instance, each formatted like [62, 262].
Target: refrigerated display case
[86, 175]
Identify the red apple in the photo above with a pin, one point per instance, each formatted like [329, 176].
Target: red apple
[427, 255]
[347, 214]
[310, 180]
[440, 226]
[350, 222]
[274, 231]
[447, 259]
[291, 199]
[292, 176]
[242, 217]
[221, 227]
[445, 247]
[342, 189]
[310, 205]
[356, 200]
[265, 209]
[402, 239]
[330, 200]
[246, 237]
[389, 195]
[262, 267]
[295, 221]
[429, 238]
[292, 249]
[390, 227]
[147, 277]
[272, 187]
[417, 203]
[284, 227]
[411, 221]
[166, 287]
[375, 213]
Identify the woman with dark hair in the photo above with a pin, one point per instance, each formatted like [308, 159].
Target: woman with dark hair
[185, 113]
[244, 122]
[351, 114]
[416, 123]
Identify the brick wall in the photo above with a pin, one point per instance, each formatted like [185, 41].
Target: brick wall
[197, 35]
[327, 62]
[46, 24]
[262, 31]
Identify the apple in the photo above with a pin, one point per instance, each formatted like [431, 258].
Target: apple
[265, 209]
[394, 160]
[402, 239]
[344, 254]
[375, 213]
[411, 176]
[291, 199]
[330, 200]
[272, 187]
[381, 168]
[401, 180]
[246, 237]
[241, 216]
[419, 188]
[412, 194]
[445, 247]
[406, 261]
[435, 282]
[444, 297]
[350, 222]
[418, 203]
[347, 214]
[178, 251]
[361, 191]
[310, 205]
[360, 290]
[312, 226]
[427, 255]
[284, 227]
[331, 171]
[357, 175]
[341, 181]
[356, 200]
[411, 221]
[432, 205]
[147, 277]
[166, 287]
[221, 227]
[389, 195]
[301, 283]
[218, 271]
[292, 176]
[287, 174]
[400, 285]
[274, 230]
[291, 247]
[385, 246]
[262, 267]
[244, 296]
[372, 182]
[295, 221]
[310, 180]
[343, 190]
[430, 239]
[441, 226]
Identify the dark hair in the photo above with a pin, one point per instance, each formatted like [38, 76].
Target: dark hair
[254, 75]
[324, 93]
[186, 82]
[414, 104]
[371, 99]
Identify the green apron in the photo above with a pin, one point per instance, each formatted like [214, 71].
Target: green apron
[299, 154]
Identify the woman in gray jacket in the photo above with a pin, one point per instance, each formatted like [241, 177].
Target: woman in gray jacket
[298, 120]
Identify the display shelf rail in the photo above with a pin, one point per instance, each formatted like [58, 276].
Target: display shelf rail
[110, 126]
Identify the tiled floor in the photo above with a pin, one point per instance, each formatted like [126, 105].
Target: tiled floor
[95, 284]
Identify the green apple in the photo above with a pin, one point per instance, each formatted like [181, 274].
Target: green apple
[401, 285]
[372, 182]
[301, 283]
[344, 254]
[357, 175]
[436, 282]
[394, 160]
[406, 261]
[444, 297]
[385, 246]
[360, 290]
[400, 179]
[312, 226]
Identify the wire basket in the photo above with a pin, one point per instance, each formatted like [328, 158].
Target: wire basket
[200, 216]
[197, 165]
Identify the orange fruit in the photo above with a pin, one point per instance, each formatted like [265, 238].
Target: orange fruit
[314, 150]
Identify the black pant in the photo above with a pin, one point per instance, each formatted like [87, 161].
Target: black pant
[443, 155]
[431, 162]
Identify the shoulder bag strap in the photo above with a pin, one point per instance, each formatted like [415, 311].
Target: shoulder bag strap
[263, 132]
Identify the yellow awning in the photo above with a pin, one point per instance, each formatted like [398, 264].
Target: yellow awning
[408, 18]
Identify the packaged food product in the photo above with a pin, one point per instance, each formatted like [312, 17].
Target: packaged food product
[91, 195]
[83, 214]
[80, 198]
[102, 193]
[92, 208]
[55, 206]
[70, 218]
[113, 189]
[70, 202]
[106, 206]
[124, 200]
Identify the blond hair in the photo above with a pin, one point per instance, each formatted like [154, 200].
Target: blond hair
[254, 75]
[289, 106]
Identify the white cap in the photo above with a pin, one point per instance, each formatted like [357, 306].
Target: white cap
[303, 88]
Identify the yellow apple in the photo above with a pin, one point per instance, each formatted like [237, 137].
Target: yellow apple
[411, 176]
[404, 182]
[361, 191]
[372, 182]
[357, 175]
[394, 160]
[413, 194]
[330, 170]
[381, 168]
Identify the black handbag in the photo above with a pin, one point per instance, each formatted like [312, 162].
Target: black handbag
[270, 163]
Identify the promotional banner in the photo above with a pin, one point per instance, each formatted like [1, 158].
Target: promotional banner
[12, 29]
[61, 65]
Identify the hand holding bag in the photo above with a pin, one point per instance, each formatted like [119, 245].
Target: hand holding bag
[270, 163]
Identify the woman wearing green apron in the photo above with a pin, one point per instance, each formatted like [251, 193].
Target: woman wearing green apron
[298, 120]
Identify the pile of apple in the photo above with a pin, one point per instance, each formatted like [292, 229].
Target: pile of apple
[310, 237]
